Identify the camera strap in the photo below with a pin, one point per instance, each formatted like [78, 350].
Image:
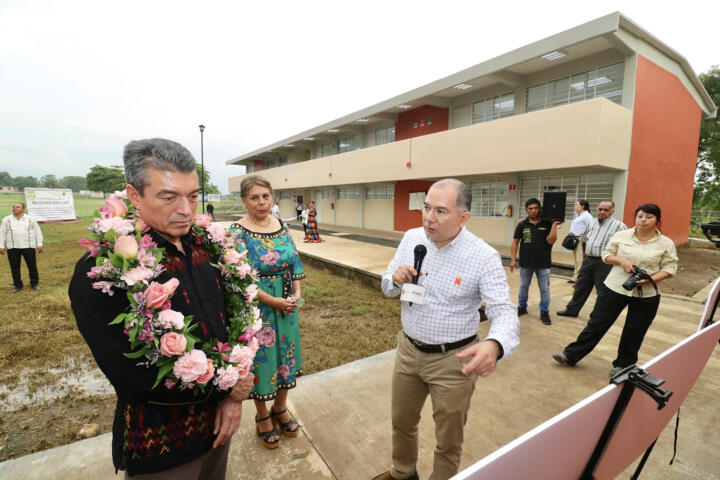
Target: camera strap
[649, 277]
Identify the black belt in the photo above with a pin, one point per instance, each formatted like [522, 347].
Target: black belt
[442, 348]
[593, 256]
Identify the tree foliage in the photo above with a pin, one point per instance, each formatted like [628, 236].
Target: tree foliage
[25, 182]
[74, 183]
[106, 179]
[209, 187]
[707, 180]
[50, 181]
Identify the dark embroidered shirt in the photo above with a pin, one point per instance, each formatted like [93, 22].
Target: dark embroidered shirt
[154, 430]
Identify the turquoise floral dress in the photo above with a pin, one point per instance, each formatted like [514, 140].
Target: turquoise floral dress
[278, 362]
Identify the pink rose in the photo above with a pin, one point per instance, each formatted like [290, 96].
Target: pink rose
[242, 355]
[227, 377]
[243, 269]
[120, 193]
[171, 285]
[141, 225]
[251, 292]
[266, 337]
[254, 345]
[172, 319]
[119, 225]
[202, 220]
[190, 366]
[156, 295]
[126, 246]
[137, 274]
[209, 373]
[232, 257]
[116, 206]
[172, 344]
[217, 232]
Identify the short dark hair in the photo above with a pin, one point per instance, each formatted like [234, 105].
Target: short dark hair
[158, 153]
[650, 208]
[531, 201]
[584, 204]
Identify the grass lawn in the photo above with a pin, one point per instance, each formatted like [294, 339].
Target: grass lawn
[342, 321]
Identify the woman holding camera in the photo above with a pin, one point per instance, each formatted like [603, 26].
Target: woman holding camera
[655, 257]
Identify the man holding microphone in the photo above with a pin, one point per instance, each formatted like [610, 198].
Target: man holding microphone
[438, 350]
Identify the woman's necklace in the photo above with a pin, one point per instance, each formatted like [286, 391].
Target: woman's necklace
[257, 223]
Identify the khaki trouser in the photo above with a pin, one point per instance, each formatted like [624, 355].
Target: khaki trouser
[416, 374]
[579, 254]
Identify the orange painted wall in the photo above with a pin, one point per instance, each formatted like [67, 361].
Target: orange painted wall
[405, 219]
[405, 126]
[666, 130]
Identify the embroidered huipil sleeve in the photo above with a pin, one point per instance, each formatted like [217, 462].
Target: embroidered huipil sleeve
[499, 308]
[298, 273]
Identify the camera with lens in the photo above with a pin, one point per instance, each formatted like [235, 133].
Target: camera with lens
[639, 274]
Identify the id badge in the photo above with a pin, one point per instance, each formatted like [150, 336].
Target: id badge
[412, 293]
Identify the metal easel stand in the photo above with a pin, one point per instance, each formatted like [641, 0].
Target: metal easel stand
[631, 378]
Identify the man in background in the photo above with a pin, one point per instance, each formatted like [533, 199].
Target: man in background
[20, 236]
[535, 237]
[593, 270]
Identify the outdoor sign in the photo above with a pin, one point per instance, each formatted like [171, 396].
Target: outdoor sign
[50, 204]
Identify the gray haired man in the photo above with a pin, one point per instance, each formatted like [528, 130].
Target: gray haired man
[593, 270]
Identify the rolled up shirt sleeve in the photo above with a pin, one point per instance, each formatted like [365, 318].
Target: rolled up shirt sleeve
[499, 308]
[386, 284]
[669, 260]
[611, 248]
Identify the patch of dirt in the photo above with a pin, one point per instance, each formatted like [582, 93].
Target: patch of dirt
[697, 267]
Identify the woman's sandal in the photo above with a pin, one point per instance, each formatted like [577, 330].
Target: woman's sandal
[265, 436]
[289, 428]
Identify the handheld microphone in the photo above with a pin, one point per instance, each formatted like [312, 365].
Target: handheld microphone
[420, 251]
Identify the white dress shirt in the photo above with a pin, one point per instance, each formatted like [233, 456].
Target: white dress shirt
[580, 223]
[457, 278]
[23, 232]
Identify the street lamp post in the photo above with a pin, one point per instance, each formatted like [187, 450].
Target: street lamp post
[202, 168]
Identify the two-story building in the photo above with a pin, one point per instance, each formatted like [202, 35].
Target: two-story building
[604, 110]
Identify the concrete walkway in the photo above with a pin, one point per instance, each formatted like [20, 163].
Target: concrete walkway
[345, 411]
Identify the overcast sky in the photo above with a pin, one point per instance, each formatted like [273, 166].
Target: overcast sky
[79, 79]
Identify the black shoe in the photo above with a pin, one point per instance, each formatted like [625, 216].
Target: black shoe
[571, 281]
[545, 317]
[566, 313]
[17, 289]
[522, 311]
[36, 287]
[562, 359]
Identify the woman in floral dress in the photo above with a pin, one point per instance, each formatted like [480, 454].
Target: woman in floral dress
[272, 253]
[311, 233]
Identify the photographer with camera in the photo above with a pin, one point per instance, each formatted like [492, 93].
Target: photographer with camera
[641, 257]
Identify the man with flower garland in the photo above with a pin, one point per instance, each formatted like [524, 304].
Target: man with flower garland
[161, 432]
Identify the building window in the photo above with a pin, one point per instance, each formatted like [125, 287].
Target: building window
[282, 160]
[384, 135]
[348, 193]
[323, 193]
[327, 150]
[598, 82]
[493, 108]
[380, 192]
[283, 195]
[349, 144]
[593, 187]
[490, 199]
[250, 168]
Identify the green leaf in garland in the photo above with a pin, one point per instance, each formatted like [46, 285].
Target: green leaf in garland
[118, 319]
[99, 261]
[116, 259]
[138, 353]
[132, 299]
[162, 371]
